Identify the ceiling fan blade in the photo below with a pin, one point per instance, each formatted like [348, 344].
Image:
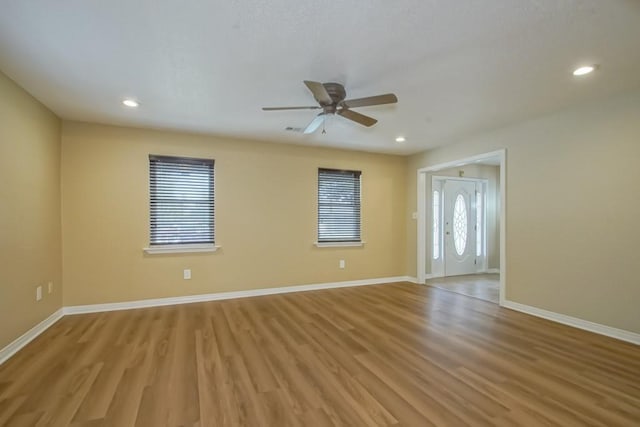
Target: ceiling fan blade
[315, 124]
[319, 92]
[388, 98]
[357, 117]
[315, 107]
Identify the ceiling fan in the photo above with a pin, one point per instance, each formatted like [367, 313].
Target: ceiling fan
[331, 100]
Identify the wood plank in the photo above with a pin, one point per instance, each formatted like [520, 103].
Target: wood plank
[384, 355]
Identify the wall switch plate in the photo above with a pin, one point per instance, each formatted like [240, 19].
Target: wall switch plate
[50, 287]
[38, 293]
[341, 264]
[186, 274]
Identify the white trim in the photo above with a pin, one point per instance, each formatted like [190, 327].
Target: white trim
[13, 347]
[493, 271]
[339, 244]
[437, 264]
[421, 250]
[24, 339]
[427, 276]
[128, 305]
[608, 331]
[179, 249]
[458, 178]
[463, 161]
[503, 226]
[422, 226]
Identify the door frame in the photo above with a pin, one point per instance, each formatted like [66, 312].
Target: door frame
[423, 226]
[482, 267]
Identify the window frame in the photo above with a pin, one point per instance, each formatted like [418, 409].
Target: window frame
[326, 241]
[155, 244]
[436, 213]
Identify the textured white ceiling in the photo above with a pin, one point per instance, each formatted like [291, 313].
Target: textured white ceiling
[457, 67]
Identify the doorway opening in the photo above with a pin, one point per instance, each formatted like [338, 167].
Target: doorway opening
[461, 226]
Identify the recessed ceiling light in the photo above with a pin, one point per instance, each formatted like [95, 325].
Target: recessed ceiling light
[130, 103]
[401, 139]
[583, 70]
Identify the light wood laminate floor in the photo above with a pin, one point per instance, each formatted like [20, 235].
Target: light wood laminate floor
[384, 355]
[483, 286]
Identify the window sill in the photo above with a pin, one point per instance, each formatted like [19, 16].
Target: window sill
[339, 244]
[179, 249]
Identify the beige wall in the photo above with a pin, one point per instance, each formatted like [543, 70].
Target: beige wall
[30, 240]
[265, 216]
[572, 209]
[572, 212]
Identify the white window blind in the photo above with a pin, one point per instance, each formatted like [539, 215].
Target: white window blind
[338, 206]
[181, 200]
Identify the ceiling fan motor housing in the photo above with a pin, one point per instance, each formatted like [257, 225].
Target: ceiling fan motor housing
[337, 93]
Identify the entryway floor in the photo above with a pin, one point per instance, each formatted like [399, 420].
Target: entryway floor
[483, 286]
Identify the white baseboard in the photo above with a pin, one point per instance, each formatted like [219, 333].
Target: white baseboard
[493, 270]
[609, 331]
[29, 336]
[158, 302]
[427, 276]
[32, 333]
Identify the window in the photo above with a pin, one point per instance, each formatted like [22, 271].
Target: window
[460, 225]
[182, 200]
[479, 223]
[338, 206]
[436, 224]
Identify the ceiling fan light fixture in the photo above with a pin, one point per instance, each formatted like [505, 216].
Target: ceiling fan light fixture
[581, 71]
[401, 139]
[131, 103]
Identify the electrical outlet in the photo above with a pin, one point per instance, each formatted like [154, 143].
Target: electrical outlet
[38, 293]
[50, 287]
[186, 274]
[341, 264]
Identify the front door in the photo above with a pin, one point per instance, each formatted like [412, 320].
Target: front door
[459, 227]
